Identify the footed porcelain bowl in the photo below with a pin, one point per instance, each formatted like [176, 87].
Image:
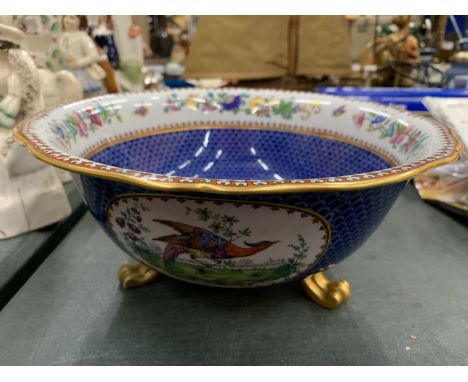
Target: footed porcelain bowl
[237, 187]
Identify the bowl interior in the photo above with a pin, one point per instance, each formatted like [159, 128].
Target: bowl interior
[233, 153]
[234, 138]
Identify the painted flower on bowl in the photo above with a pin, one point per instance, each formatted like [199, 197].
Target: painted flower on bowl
[231, 102]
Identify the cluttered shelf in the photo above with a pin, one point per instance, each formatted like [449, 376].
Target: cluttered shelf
[408, 283]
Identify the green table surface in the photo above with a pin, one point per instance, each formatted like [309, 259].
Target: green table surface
[409, 279]
[21, 255]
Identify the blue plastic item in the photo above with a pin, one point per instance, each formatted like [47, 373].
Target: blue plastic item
[177, 83]
[407, 98]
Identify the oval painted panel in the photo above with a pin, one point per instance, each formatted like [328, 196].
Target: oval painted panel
[219, 242]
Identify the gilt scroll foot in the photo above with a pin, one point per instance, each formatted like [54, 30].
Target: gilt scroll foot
[326, 293]
[136, 275]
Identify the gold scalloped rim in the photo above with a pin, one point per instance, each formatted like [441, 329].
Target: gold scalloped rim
[151, 181]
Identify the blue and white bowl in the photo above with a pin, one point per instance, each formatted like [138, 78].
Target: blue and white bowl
[237, 187]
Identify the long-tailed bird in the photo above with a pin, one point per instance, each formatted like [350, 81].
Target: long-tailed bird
[199, 242]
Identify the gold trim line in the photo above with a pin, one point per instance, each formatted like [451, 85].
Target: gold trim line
[260, 189]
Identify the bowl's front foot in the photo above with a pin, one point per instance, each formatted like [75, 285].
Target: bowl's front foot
[326, 293]
[136, 275]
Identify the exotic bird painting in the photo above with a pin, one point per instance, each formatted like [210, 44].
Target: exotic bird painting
[203, 245]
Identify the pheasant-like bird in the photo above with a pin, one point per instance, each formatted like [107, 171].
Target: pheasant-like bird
[200, 242]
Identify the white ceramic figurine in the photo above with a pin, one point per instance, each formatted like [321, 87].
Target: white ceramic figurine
[81, 56]
[129, 43]
[58, 86]
[31, 194]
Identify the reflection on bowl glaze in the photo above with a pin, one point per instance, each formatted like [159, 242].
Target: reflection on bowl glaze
[236, 187]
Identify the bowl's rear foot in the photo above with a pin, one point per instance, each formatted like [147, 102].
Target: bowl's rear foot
[136, 275]
[327, 293]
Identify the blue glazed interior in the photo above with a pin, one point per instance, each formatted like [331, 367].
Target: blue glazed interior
[231, 153]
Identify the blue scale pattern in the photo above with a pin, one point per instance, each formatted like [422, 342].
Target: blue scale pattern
[352, 215]
[231, 153]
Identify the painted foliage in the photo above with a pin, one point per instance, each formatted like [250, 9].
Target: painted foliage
[219, 242]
